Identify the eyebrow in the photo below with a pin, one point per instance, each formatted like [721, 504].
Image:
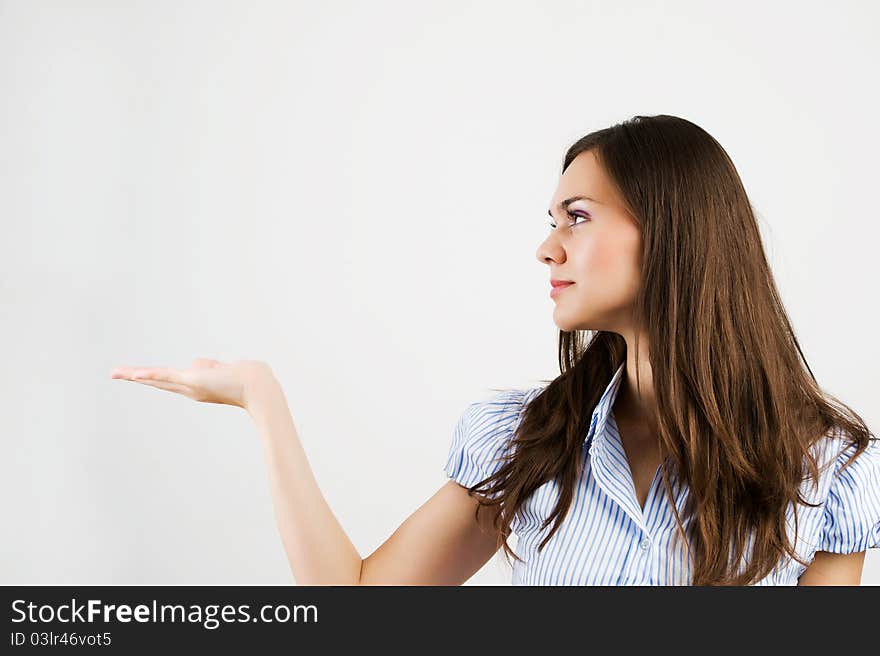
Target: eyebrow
[563, 205]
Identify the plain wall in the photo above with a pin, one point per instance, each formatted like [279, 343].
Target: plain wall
[354, 193]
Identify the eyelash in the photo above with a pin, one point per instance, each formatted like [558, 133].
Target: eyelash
[571, 215]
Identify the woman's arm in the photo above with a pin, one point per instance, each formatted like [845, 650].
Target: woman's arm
[441, 543]
[834, 569]
[318, 549]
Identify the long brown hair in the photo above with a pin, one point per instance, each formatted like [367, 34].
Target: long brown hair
[738, 406]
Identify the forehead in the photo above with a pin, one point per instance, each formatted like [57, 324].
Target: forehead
[584, 177]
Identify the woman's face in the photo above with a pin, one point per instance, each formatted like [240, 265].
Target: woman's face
[597, 245]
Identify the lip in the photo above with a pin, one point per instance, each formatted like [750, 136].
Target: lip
[558, 286]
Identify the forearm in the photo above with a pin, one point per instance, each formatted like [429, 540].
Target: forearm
[318, 549]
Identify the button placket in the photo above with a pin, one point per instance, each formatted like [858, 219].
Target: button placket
[640, 565]
[637, 564]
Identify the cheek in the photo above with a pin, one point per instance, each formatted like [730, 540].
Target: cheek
[612, 260]
[608, 274]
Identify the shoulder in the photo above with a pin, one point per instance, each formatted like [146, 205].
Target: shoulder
[497, 409]
[852, 505]
[482, 435]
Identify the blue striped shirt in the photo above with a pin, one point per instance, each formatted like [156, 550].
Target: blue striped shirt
[608, 539]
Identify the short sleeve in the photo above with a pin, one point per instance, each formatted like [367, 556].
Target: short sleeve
[482, 437]
[852, 508]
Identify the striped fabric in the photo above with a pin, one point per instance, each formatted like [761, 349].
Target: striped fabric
[607, 539]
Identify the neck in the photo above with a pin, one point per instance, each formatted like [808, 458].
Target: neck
[637, 401]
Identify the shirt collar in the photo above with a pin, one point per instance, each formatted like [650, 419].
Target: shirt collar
[603, 407]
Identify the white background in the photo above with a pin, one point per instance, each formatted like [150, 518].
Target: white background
[354, 192]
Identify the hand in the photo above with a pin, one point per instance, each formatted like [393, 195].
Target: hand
[208, 381]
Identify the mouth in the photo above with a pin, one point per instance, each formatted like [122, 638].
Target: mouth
[559, 287]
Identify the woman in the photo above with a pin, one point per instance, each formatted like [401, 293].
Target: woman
[685, 440]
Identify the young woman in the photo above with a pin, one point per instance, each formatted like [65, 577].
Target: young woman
[685, 440]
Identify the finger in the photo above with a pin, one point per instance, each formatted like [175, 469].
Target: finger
[166, 374]
[170, 387]
[127, 372]
[121, 372]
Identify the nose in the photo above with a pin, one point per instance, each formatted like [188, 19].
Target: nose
[550, 251]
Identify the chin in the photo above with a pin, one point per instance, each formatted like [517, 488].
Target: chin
[568, 325]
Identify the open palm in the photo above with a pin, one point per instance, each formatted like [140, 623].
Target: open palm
[208, 381]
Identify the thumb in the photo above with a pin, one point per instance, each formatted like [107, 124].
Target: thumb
[205, 363]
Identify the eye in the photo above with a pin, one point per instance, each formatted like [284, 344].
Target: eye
[571, 215]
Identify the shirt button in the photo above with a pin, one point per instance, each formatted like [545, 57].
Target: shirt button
[645, 544]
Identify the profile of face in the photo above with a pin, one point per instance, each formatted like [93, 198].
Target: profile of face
[596, 244]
